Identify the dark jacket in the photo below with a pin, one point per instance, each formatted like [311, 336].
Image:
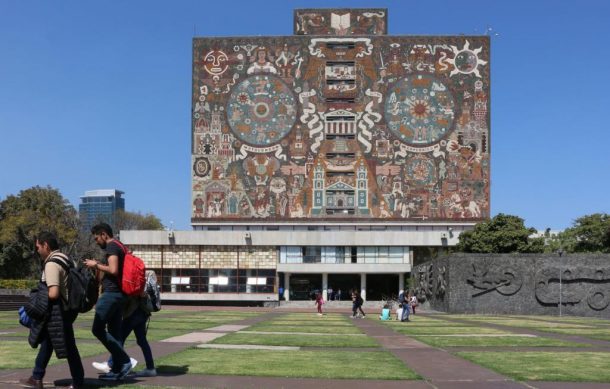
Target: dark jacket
[47, 315]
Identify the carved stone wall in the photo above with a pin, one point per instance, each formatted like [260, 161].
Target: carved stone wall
[516, 284]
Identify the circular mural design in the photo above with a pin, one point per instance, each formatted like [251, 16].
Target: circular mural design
[466, 61]
[420, 110]
[420, 171]
[261, 110]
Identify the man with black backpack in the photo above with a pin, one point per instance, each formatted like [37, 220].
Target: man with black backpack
[109, 307]
[56, 331]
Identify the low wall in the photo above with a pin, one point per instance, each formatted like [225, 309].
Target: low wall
[545, 284]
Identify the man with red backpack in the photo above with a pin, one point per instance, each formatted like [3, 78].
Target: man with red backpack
[109, 307]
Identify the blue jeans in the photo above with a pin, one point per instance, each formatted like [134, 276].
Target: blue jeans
[137, 323]
[405, 312]
[46, 351]
[108, 313]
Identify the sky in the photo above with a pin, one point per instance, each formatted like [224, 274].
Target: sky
[97, 95]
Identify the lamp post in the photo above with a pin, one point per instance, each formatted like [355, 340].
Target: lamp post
[560, 253]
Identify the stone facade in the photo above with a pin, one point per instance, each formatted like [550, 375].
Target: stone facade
[545, 284]
[207, 257]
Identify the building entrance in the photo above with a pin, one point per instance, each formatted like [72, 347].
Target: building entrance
[304, 286]
[380, 286]
[344, 283]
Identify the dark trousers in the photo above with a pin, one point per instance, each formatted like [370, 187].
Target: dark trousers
[46, 351]
[137, 323]
[108, 313]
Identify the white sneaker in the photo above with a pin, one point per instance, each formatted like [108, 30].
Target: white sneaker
[101, 366]
[104, 368]
[147, 373]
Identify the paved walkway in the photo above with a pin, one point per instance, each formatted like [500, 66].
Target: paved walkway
[439, 368]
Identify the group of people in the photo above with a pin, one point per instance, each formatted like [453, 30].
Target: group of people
[116, 314]
[407, 302]
[333, 294]
[357, 302]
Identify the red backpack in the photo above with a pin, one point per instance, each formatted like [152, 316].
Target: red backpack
[133, 279]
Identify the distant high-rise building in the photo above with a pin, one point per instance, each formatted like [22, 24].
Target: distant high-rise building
[100, 205]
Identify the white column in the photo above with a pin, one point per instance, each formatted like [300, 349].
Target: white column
[401, 282]
[248, 286]
[173, 286]
[363, 285]
[287, 286]
[325, 286]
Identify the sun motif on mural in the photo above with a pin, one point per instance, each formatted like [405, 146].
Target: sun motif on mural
[420, 110]
[261, 110]
[466, 60]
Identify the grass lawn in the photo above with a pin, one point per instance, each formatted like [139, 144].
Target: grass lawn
[570, 319]
[434, 324]
[309, 322]
[321, 328]
[297, 340]
[222, 315]
[303, 364]
[10, 323]
[506, 341]
[593, 333]
[156, 324]
[408, 330]
[19, 355]
[546, 366]
[313, 315]
[533, 324]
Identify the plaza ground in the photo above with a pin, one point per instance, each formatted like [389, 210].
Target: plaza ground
[207, 347]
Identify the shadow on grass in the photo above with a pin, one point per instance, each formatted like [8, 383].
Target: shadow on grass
[170, 370]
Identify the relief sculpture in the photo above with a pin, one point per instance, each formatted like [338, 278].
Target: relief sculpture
[578, 285]
[488, 278]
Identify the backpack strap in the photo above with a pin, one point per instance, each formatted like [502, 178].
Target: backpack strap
[122, 246]
[65, 263]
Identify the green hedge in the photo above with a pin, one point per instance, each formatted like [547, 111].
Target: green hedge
[18, 284]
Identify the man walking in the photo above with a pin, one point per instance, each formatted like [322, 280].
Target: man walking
[403, 299]
[109, 308]
[57, 333]
[136, 315]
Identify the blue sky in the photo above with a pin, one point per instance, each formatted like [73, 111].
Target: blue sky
[97, 95]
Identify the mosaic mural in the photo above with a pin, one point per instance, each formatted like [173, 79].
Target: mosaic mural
[343, 128]
[340, 21]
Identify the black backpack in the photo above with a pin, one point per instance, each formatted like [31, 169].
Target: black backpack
[82, 285]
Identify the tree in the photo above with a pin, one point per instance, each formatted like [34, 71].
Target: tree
[124, 220]
[22, 217]
[590, 233]
[502, 234]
